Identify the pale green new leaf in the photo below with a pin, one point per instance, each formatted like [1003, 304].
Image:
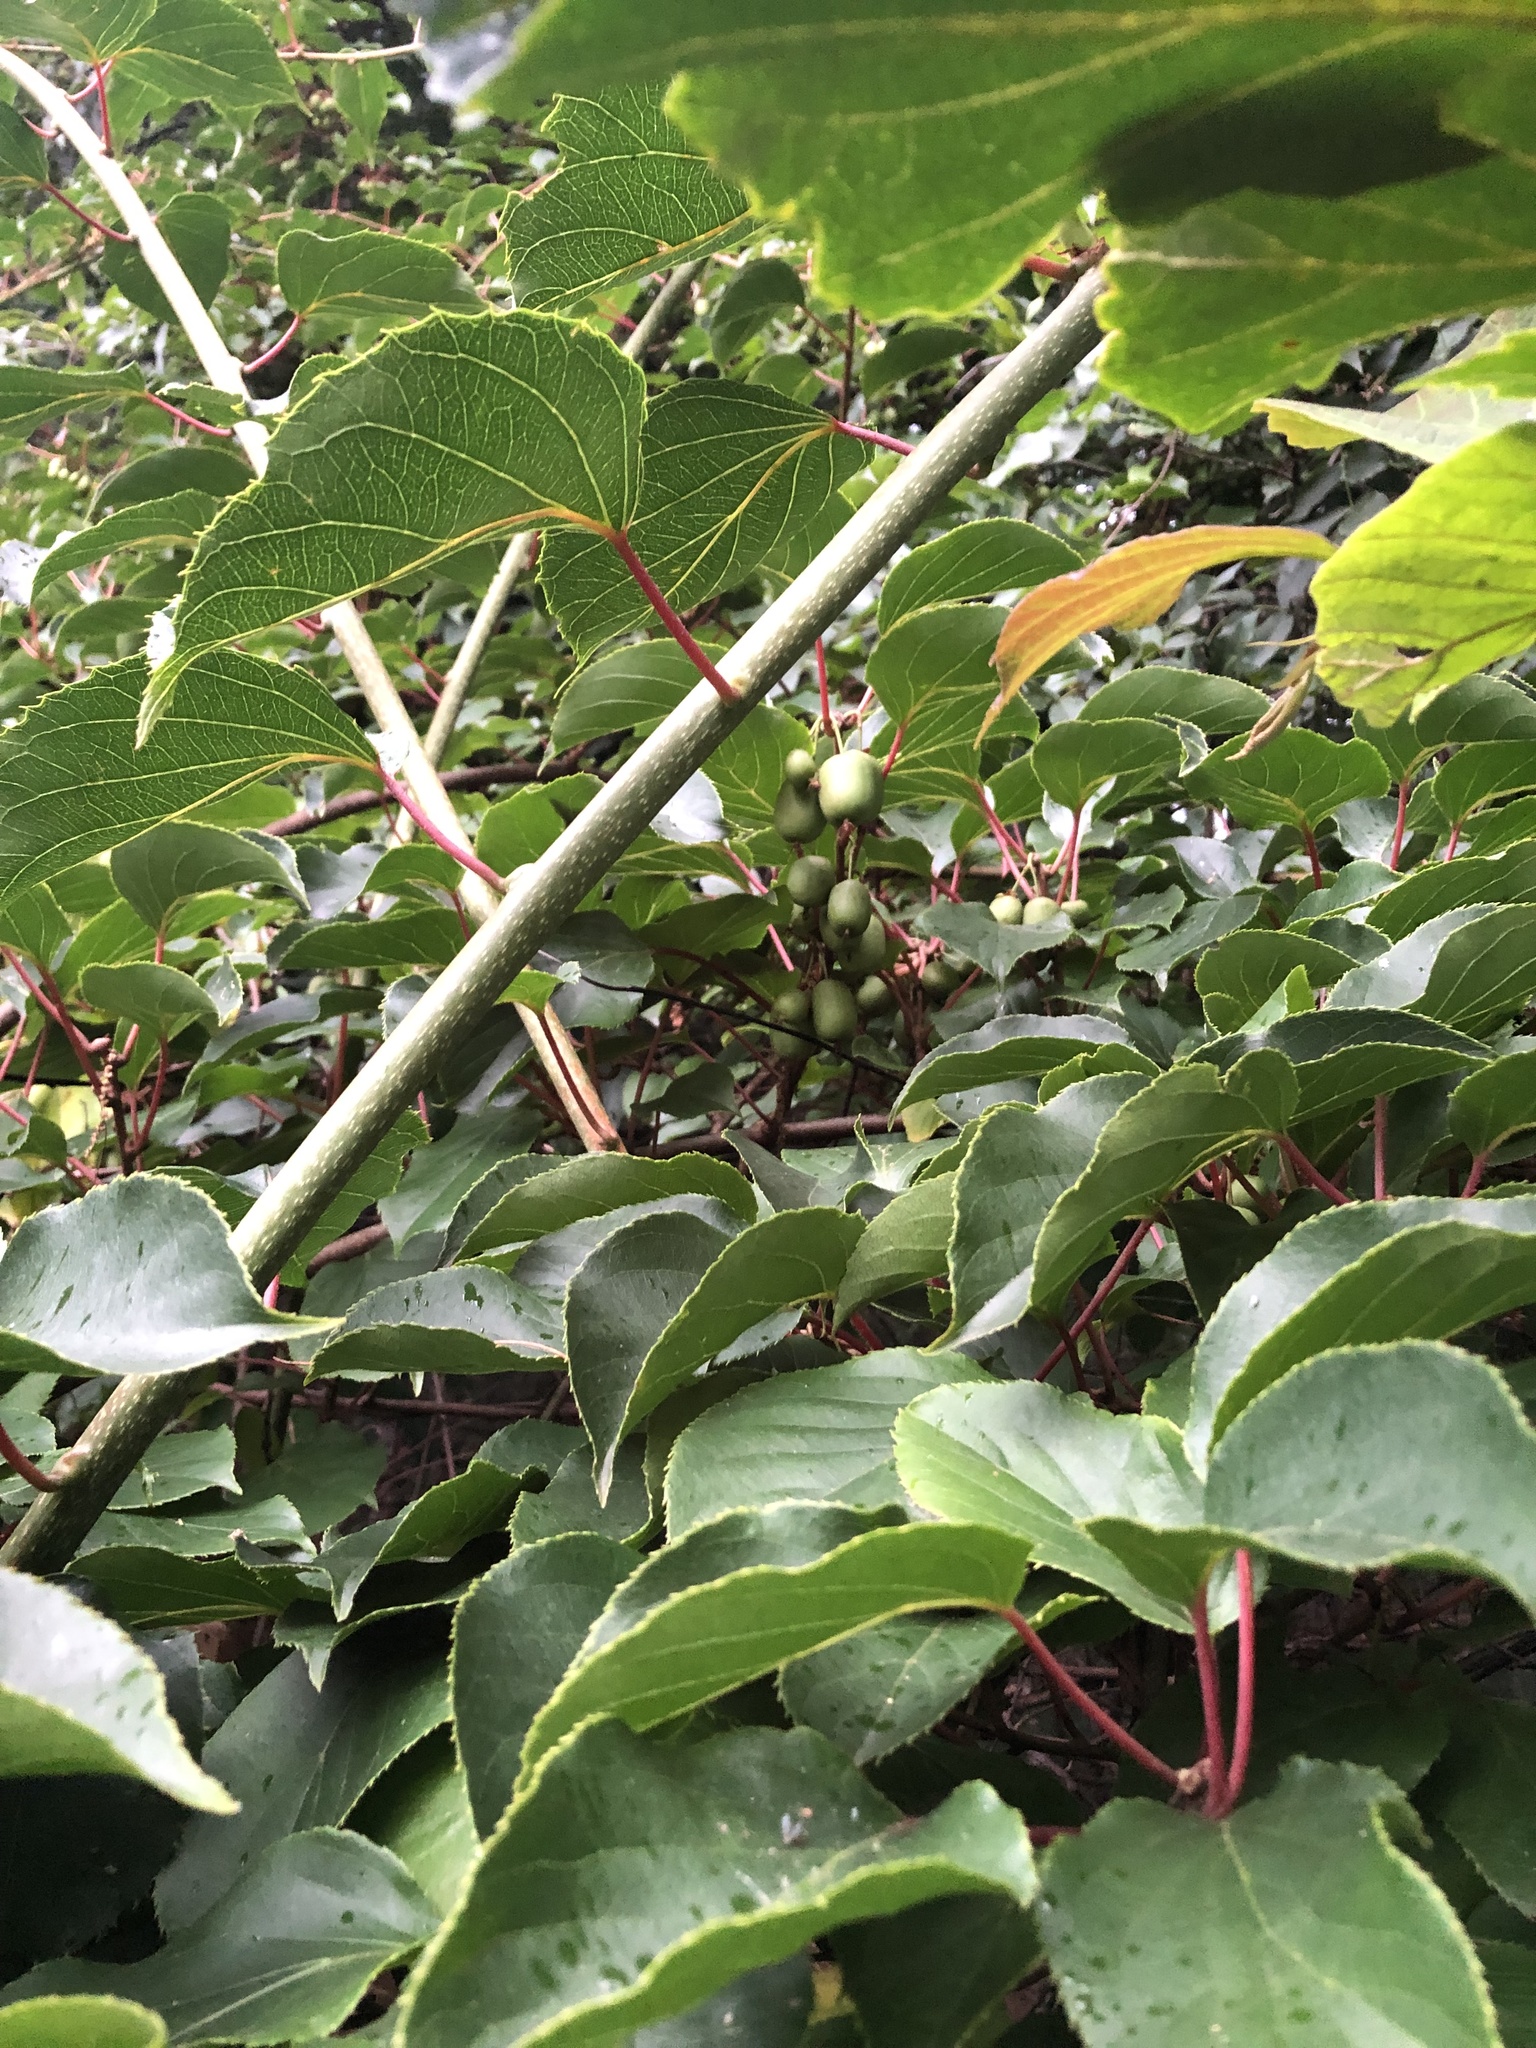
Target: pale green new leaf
[65, 2022]
[1427, 425]
[758, 1840]
[628, 197]
[979, 559]
[1439, 584]
[78, 1696]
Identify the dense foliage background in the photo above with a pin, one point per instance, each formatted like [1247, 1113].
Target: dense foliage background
[891, 1412]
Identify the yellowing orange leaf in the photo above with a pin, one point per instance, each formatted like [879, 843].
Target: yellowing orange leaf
[1130, 586]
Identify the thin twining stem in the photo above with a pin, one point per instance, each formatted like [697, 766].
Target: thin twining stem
[461, 854]
[23, 1467]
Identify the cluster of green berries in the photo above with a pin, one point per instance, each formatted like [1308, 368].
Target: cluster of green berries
[848, 788]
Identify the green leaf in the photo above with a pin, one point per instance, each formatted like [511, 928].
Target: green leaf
[1399, 977]
[29, 397]
[442, 1174]
[875, 1691]
[978, 559]
[296, 1758]
[905, 1244]
[462, 428]
[624, 1296]
[936, 1975]
[367, 275]
[284, 1955]
[740, 1596]
[782, 1261]
[175, 1466]
[1211, 703]
[204, 50]
[74, 785]
[1244, 969]
[77, 1696]
[400, 939]
[932, 673]
[165, 866]
[1037, 1462]
[1427, 425]
[729, 471]
[514, 1635]
[553, 1933]
[1476, 774]
[632, 688]
[1010, 1049]
[1448, 885]
[464, 1320]
[1343, 1056]
[70, 2022]
[1368, 1274]
[1482, 1790]
[1075, 761]
[629, 197]
[569, 1504]
[579, 1188]
[759, 293]
[162, 1001]
[1494, 1103]
[1299, 779]
[155, 1286]
[420, 1813]
[1485, 970]
[1317, 1467]
[824, 1434]
[1155, 1140]
[1019, 1165]
[1316, 1926]
[23, 160]
[1435, 586]
[197, 227]
[905, 355]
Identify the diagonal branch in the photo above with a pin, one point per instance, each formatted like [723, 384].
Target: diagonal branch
[549, 889]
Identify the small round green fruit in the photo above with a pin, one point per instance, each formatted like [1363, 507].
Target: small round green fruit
[1007, 908]
[809, 880]
[873, 997]
[1075, 907]
[800, 767]
[797, 815]
[1038, 910]
[834, 1013]
[793, 1007]
[852, 788]
[849, 909]
[867, 953]
[939, 978]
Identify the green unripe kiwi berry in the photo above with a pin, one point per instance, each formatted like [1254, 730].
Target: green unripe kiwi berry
[793, 1007]
[800, 767]
[1076, 908]
[1007, 909]
[1039, 910]
[834, 1013]
[809, 880]
[939, 978]
[852, 788]
[867, 953]
[873, 997]
[797, 815]
[849, 909]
